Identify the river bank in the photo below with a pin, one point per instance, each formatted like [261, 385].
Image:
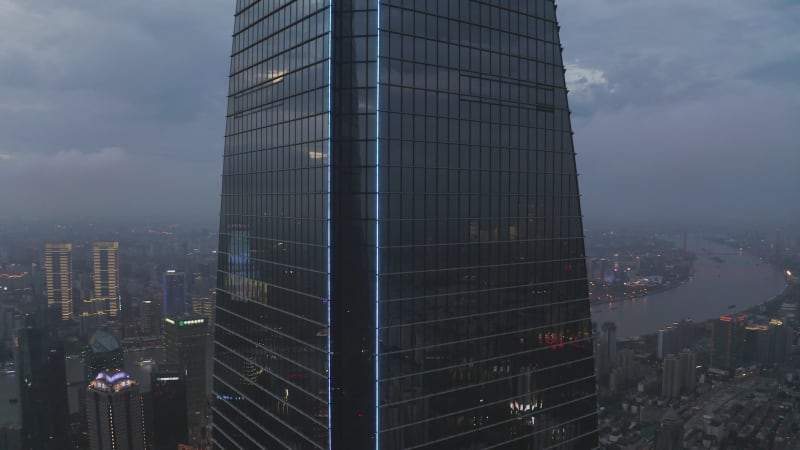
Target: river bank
[742, 281]
[644, 292]
[767, 308]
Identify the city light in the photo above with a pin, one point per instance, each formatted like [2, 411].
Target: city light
[190, 322]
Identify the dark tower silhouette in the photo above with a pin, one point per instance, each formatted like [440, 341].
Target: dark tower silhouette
[43, 390]
[168, 393]
[185, 340]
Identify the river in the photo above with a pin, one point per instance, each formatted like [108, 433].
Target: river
[739, 279]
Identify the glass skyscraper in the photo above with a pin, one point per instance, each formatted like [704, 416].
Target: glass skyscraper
[174, 292]
[401, 259]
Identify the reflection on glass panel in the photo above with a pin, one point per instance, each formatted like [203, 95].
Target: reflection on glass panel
[271, 346]
[404, 268]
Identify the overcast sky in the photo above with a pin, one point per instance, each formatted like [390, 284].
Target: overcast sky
[684, 111]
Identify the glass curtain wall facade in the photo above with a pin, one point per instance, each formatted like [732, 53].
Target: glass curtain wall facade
[271, 334]
[401, 245]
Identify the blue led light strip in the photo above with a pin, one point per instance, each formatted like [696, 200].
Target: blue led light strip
[330, 163]
[377, 217]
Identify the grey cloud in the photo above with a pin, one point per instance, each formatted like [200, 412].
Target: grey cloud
[786, 70]
[655, 52]
[680, 107]
[711, 162]
[694, 122]
[146, 76]
[68, 162]
[103, 185]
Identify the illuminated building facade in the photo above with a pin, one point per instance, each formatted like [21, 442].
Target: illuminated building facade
[174, 292]
[205, 307]
[185, 340]
[105, 273]
[401, 258]
[114, 413]
[58, 277]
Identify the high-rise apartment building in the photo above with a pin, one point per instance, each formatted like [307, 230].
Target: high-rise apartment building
[401, 258]
[671, 377]
[185, 340]
[58, 277]
[781, 341]
[727, 344]
[610, 339]
[114, 413]
[626, 364]
[675, 337]
[174, 292]
[105, 273]
[688, 370]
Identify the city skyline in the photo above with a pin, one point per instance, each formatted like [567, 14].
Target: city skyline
[397, 224]
[647, 100]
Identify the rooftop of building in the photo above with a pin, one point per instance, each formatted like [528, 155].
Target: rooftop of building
[185, 319]
[102, 341]
[112, 382]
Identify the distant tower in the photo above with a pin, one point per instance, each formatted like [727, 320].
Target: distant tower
[688, 369]
[58, 277]
[205, 307]
[185, 339]
[671, 381]
[727, 339]
[149, 317]
[626, 357]
[43, 390]
[668, 340]
[779, 341]
[105, 259]
[168, 391]
[114, 413]
[610, 339]
[174, 292]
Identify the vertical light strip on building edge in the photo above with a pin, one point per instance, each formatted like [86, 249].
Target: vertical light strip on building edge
[377, 212]
[330, 162]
